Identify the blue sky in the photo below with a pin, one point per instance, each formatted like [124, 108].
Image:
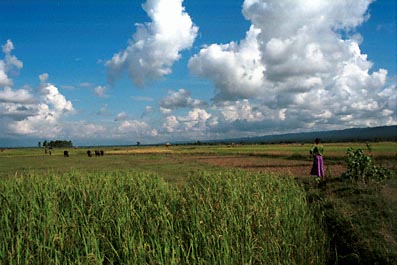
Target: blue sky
[118, 72]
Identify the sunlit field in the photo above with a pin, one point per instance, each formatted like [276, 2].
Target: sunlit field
[176, 162]
[230, 217]
[198, 204]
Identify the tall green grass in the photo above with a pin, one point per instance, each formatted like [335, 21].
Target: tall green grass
[230, 217]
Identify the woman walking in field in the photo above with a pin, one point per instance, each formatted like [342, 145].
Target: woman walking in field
[318, 163]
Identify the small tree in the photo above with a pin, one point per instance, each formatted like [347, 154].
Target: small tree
[360, 168]
[39, 144]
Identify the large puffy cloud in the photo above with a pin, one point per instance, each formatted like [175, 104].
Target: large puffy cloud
[136, 128]
[43, 122]
[156, 45]
[240, 110]
[51, 96]
[180, 99]
[197, 121]
[16, 96]
[282, 19]
[171, 123]
[302, 63]
[236, 69]
[44, 116]
[248, 117]
[27, 112]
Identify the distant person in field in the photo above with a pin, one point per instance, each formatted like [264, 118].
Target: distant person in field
[317, 151]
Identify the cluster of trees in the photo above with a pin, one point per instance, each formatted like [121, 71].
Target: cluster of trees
[56, 144]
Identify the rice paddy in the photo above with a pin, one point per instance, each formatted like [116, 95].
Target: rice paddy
[231, 217]
[170, 206]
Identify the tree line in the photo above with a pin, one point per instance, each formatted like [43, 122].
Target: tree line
[55, 144]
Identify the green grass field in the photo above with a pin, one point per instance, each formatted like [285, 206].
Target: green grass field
[193, 205]
[231, 217]
[173, 161]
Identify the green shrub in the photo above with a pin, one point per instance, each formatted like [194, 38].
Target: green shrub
[361, 168]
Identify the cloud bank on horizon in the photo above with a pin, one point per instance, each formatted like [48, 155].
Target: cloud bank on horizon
[299, 68]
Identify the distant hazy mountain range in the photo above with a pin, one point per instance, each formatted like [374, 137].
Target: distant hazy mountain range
[384, 133]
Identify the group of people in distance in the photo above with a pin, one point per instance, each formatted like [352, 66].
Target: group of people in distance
[97, 153]
[89, 153]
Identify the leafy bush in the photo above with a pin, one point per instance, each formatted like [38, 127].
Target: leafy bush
[361, 168]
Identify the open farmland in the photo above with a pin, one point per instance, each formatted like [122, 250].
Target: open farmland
[177, 161]
[193, 204]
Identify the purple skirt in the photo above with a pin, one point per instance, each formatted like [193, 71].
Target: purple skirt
[318, 166]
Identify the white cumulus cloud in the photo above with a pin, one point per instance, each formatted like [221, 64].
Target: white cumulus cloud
[27, 112]
[9, 64]
[196, 120]
[236, 69]
[136, 128]
[240, 110]
[53, 97]
[24, 112]
[180, 99]
[171, 123]
[41, 117]
[156, 45]
[16, 96]
[302, 63]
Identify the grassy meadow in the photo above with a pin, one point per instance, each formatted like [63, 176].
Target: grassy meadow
[198, 204]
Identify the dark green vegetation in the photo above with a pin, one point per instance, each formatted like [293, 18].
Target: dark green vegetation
[362, 170]
[181, 205]
[56, 144]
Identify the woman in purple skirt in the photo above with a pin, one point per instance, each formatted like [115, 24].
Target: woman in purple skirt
[318, 163]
